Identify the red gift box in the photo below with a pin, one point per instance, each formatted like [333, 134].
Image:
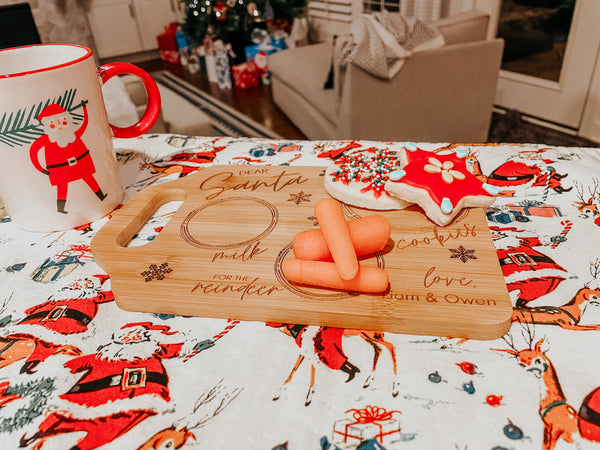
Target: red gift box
[246, 75]
[167, 44]
[369, 423]
[535, 209]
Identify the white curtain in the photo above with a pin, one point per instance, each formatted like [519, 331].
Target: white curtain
[424, 10]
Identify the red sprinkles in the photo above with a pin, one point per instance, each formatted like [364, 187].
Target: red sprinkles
[368, 166]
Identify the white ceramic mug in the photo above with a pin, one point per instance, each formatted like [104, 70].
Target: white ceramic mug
[58, 169]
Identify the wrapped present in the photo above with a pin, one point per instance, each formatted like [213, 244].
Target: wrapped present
[222, 65]
[252, 51]
[167, 44]
[210, 60]
[506, 216]
[536, 209]
[202, 61]
[278, 42]
[245, 75]
[259, 54]
[366, 424]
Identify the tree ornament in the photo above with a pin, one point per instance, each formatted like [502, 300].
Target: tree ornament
[220, 10]
[252, 10]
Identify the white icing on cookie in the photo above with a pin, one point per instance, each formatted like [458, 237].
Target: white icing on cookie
[359, 179]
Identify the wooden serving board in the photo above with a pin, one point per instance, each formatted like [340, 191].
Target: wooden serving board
[221, 256]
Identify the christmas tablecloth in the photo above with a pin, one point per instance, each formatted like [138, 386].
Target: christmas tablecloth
[78, 372]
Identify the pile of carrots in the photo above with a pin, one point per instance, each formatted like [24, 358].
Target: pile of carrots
[341, 242]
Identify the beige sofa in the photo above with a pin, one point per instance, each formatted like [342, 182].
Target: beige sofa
[442, 95]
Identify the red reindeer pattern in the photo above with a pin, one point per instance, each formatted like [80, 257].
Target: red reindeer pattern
[560, 418]
[208, 405]
[327, 344]
[589, 204]
[566, 316]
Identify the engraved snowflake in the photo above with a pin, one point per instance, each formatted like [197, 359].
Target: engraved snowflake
[299, 197]
[156, 272]
[314, 220]
[464, 254]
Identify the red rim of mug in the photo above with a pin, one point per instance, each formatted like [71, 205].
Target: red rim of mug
[87, 54]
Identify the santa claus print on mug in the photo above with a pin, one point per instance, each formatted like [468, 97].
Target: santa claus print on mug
[59, 170]
[66, 156]
[56, 139]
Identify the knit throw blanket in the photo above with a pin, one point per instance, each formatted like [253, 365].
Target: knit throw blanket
[379, 43]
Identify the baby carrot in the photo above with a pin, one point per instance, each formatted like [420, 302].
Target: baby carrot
[335, 231]
[325, 274]
[369, 234]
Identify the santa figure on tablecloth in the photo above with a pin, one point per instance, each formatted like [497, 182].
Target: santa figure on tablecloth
[528, 169]
[121, 385]
[526, 269]
[47, 328]
[66, 156]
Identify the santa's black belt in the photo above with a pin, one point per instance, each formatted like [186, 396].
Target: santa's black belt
[117, 381]
[53, 315]
[70, 162]
[526, 260]
[495, 176]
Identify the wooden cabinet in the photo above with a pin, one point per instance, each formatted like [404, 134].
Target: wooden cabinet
[129, 26]
[152, 16]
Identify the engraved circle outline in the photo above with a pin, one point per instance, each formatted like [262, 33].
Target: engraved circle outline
[297, 290]
[186, 235]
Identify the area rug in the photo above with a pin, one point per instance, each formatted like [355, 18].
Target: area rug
[513, 127]
[225, 120]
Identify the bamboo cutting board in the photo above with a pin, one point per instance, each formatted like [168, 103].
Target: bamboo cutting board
[221, 256]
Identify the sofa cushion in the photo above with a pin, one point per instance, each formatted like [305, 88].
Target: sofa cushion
[464, 27]
[305, 69]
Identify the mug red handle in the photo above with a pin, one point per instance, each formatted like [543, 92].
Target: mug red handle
[107, 71]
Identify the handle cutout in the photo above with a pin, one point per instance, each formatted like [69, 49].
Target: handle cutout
[152, 218]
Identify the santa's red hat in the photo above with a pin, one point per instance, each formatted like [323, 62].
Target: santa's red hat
[102, 278]
[51, 110]
[164, 329]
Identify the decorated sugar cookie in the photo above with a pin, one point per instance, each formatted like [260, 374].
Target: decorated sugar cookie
[440, 183]
[359, 179]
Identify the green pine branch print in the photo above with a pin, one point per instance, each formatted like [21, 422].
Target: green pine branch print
[22, 128]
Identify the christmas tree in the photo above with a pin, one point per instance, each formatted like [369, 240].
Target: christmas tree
[233, 20]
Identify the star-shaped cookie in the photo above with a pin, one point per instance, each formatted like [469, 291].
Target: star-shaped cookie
[359, 179]
[440, 183]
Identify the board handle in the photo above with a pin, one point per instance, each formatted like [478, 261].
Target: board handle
[113, 237]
